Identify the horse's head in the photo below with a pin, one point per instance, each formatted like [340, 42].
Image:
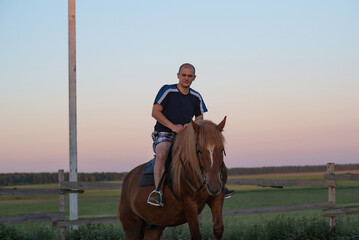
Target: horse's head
[210, 150]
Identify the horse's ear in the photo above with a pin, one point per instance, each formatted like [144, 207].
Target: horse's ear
[220, 126]
[195, 126]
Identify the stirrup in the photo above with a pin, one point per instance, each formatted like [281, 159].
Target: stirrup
[160, 204]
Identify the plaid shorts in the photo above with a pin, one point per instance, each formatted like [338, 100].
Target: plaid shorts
[159, 137]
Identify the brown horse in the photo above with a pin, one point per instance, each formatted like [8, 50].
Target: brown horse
[199, 176]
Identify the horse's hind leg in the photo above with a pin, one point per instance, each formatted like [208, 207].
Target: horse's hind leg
[153, 233]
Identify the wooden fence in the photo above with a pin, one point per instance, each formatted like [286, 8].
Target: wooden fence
[59, 220]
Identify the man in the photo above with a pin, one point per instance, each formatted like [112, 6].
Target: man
[174, 107]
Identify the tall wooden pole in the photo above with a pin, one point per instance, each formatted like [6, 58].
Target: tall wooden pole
[72, 108]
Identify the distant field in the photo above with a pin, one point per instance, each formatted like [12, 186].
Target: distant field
[95, 203]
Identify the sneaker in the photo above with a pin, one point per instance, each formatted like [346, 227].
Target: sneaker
[155, 199]
[228, 193]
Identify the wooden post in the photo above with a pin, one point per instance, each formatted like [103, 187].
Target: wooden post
[72, 108]
[331, 194]
[62, 204]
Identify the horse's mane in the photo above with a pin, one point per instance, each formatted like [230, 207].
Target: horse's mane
[184, 149]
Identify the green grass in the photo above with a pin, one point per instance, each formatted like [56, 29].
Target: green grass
[96, 203]
[104, 202]
[278, 228]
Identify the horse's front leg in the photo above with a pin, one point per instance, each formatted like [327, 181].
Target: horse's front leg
[216, 204]
[191, 213]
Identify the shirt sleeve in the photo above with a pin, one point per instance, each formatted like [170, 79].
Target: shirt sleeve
[200, 107]
[159, 95]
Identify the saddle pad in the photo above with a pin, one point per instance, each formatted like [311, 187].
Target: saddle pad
[149, 167]
[147, 178]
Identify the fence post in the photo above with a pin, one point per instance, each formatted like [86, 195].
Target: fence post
[331, 194]
[62, 203]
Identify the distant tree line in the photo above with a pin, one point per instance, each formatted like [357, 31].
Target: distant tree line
[290, 169]
[10, 179]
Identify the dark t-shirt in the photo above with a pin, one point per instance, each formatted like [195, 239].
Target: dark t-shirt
[177, 107]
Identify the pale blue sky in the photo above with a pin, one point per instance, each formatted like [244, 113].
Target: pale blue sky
[284, 72]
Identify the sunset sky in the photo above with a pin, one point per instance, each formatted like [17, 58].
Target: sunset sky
[285, 73]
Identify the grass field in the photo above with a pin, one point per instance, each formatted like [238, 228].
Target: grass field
[96, 203]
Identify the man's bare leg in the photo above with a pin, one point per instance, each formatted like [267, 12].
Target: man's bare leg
[161, 153]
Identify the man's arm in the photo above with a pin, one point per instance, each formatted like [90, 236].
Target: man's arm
[158, 115]
[196, 118]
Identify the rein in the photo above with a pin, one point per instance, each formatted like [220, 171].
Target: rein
[201, 168]
[189, 183]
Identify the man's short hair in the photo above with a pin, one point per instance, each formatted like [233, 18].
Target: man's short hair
[187, 65]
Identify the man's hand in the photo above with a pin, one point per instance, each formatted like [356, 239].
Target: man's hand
[177, 128]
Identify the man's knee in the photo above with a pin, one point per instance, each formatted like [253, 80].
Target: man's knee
[162, 149]
[161, 156]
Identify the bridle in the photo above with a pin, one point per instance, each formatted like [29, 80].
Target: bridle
[189, 183]
[198, 151]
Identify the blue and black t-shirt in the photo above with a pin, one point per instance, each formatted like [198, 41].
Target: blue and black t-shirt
[177, 107]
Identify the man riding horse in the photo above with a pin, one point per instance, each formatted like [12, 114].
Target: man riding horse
[174, 107]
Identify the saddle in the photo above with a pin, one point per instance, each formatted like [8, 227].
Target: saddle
[147, 177]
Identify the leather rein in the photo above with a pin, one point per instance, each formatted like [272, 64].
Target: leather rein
[201, 168]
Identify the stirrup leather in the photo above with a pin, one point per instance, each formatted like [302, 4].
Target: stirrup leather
[161, 198]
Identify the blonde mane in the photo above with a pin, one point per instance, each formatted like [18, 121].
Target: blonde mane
[184, 149]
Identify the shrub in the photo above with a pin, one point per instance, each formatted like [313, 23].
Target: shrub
[96, 232]
[289, 228]
[10, 233]
[280, 228]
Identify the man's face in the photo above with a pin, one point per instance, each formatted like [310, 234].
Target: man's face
[186, 77]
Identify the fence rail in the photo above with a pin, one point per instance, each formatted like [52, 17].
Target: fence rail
[280, 183]
[98, 220]
[43, 217]
[275, 209]
[341, 211]
[73, 186]
[25, 191]
[345, 176]
[329, 208]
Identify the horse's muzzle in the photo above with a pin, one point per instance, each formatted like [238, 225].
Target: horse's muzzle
[214, 191]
